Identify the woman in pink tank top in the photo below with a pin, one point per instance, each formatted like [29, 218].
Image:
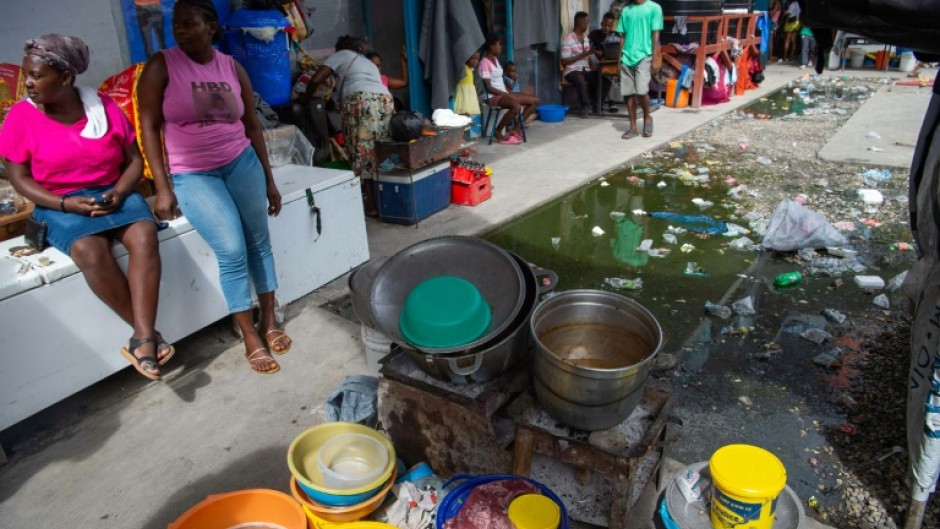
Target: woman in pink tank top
[202, 102]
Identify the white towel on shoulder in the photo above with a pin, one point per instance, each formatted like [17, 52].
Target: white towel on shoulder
[97, 125]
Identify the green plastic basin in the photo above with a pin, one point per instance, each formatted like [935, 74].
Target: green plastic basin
[444, 311]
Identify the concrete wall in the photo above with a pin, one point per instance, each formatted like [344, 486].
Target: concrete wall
[97, 22]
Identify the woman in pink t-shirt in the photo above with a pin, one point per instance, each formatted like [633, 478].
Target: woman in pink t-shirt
[202, 103]
[74, 155]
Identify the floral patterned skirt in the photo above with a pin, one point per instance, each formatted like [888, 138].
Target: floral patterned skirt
[365, 119]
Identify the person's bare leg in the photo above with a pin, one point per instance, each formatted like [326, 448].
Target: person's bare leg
[93, 257]
[258, 355]
[509, 103]
[631, 109]
[645, 105]
[143, 273]
[276, 339]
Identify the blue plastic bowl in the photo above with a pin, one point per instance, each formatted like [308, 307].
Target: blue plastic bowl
[552, 113]
[335, 500]
[455, 499]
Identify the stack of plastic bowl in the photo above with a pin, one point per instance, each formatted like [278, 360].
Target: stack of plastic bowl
[340, 472]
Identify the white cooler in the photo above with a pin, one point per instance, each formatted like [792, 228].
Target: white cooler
[58, 338]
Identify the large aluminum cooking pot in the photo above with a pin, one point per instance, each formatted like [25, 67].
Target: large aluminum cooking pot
[505, 351]
[491, 269]
[593, 348]
[360, 290]
[585, 417]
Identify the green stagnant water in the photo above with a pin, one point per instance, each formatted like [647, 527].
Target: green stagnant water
[805, 97]
[564, 236]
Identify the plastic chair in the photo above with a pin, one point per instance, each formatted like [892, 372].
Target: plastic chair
[492, 114]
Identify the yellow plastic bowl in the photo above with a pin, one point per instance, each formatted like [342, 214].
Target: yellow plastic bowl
[304, 449]
[534, 511]
[317, 512]
[316, 523]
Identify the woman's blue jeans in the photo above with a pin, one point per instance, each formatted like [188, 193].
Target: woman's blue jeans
[228, 207]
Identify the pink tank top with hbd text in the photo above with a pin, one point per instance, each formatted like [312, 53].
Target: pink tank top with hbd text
[202, 112]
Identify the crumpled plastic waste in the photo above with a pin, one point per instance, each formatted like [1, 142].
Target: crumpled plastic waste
[878, 175]
[817, 336]
[895, 283]
[764, 160]
[881, 300]
[834, 316]
[597, 231]
[625, 284]
[720, 311]
[645, 245]
[413, 508]
[831, 359]
[742, 244]
[687, 248]
[693, 269]
[702, 203]
[698, 223]
[670, 238]
[744, 306]
[793, 227]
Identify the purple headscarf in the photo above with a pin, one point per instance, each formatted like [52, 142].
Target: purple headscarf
[69, 54]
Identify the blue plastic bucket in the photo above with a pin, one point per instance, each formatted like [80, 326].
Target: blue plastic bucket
[551, 113]
[267, 63]
[455, 499]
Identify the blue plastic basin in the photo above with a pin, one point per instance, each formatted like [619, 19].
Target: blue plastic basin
[552, 113]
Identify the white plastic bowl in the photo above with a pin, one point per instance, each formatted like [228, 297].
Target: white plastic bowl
[352, 460]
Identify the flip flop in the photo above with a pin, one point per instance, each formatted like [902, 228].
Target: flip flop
[648, 128]
[272, 344]
[142, 363]
[629, 135]
[510, 140]
[250, 357]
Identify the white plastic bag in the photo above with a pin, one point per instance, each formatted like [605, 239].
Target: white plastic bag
[793, 227]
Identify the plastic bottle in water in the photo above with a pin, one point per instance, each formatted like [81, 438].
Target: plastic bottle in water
[788, 279]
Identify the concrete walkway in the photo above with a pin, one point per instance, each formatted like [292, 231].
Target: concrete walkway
[131, 454]
[893, 113]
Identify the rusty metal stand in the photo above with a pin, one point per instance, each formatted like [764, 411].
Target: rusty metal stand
[610, 453]
[497, 426]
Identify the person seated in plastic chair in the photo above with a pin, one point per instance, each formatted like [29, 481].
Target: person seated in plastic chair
[499, 97]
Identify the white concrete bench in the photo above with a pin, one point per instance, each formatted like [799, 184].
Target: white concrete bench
[58, 338]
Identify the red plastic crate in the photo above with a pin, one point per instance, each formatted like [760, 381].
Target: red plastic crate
[471, 194]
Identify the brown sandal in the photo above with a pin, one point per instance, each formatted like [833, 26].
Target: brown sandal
[251, 359]
[278, 341]
[143, 364]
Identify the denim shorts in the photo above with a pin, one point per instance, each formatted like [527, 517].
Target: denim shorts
[64, 228]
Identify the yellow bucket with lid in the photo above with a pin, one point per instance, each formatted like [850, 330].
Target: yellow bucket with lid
[746, 481]
[534, 511]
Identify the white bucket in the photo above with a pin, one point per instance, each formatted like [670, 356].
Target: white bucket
[856, 57]
[835, 62]
[377, 347]
[907, 61]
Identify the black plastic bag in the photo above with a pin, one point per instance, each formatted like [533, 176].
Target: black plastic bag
[406, 126]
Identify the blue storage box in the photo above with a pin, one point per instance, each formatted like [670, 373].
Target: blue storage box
[404, 198]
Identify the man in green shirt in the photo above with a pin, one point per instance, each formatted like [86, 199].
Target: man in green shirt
[640, 24]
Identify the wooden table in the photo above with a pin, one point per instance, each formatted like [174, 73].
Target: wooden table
[741, 27]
